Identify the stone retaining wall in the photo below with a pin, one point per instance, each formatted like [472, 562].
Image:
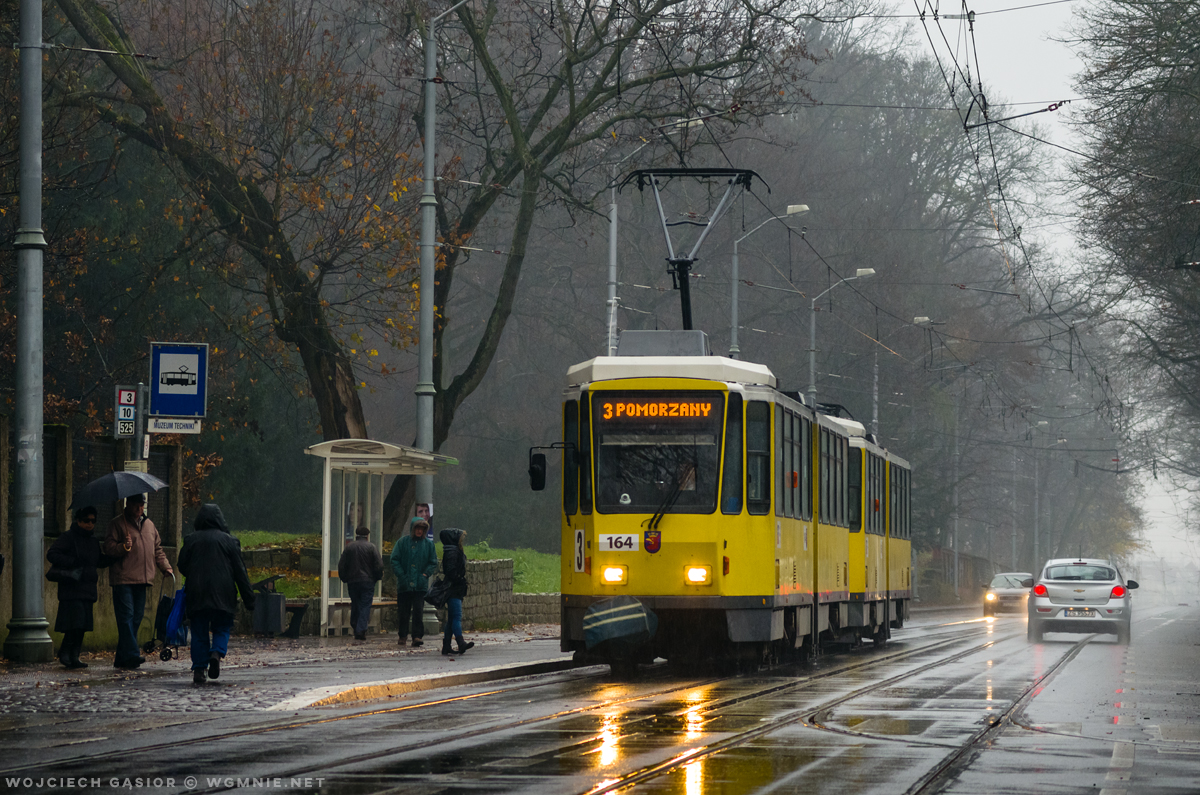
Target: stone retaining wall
[490, 601]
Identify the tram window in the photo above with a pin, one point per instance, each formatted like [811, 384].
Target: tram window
[731, 477]
[657, 451]
[778, 455]
[783, 461]
[875, 501]
[855, 490]
[570, 467]
[793, 477]
[842, 499]
[585, 459]
[806, 467]
[823, 475]
[758, 457]
[906, 514]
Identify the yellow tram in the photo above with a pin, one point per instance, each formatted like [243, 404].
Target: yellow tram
[750, 524]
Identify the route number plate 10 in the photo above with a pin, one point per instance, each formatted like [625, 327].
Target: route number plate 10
[617, 542]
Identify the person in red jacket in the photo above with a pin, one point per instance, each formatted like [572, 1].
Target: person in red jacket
[134, 541]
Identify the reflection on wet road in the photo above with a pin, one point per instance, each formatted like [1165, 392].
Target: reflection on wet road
[952, 707]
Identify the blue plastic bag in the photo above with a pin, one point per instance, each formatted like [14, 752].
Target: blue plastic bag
[177, 631]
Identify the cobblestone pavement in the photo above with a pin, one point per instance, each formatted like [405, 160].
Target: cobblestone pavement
[258, 673]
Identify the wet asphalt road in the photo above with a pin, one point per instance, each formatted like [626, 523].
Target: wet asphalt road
[1104, 719]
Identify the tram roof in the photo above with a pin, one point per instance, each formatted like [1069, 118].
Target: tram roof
[710, 368]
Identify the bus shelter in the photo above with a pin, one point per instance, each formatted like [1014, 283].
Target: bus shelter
[356, 475]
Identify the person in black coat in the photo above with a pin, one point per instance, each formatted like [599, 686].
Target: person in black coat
[77, 551]
[211, 560]
[454, 569]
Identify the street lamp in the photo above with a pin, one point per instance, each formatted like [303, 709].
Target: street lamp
[793, 209]
[425, 389]
[861, 273]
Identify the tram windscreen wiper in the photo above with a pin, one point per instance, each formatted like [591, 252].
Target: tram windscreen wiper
[683, 477]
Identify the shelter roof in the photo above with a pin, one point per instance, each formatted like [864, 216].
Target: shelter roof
[381, 457]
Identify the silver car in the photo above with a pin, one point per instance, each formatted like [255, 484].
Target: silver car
[1080, 595]
[1006, 591]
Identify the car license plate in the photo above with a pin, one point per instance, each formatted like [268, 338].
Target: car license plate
[1079, 612]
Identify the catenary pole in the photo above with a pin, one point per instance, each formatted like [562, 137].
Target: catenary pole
[27, 639]
[426, 389]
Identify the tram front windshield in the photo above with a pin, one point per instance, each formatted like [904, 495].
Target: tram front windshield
[657, 451]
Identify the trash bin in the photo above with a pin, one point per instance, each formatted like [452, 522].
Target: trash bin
[270, 613]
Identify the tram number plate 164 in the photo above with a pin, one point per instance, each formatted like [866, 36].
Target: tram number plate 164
[617, 542]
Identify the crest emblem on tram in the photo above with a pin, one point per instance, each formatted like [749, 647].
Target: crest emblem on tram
[653, 541]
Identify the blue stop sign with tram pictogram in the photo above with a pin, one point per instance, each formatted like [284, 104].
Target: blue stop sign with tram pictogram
[178, 379]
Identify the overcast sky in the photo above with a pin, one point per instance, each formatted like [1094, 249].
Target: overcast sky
[1022, 58]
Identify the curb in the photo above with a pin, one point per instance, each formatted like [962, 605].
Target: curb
[371, 691]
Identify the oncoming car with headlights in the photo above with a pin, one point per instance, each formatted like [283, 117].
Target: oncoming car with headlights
[1006, 592]
[1080, 595]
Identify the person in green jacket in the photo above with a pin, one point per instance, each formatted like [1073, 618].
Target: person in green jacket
[414, 561]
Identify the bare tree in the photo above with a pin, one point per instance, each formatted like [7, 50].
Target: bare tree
[292, 167]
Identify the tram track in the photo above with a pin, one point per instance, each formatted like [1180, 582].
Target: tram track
[711, 705]
[813, 717]
[838, 669]
[802, 716]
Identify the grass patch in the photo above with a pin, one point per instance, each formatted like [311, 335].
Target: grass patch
[261, 539]
[293, 584]
[533, 572]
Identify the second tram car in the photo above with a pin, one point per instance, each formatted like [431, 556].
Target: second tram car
[750, 524]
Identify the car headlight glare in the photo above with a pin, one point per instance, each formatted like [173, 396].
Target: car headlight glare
[991, 597]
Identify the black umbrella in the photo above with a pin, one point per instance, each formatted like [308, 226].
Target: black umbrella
[116, 486]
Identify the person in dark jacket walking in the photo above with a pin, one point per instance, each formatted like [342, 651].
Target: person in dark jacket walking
[211, 560]
[414, 561]
[360, 567]
[77, 550]
[454, 569]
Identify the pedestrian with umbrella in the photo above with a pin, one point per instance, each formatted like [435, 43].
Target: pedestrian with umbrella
[134, 541]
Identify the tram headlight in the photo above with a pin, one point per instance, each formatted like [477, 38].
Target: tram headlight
[697, 575]
[614, 575]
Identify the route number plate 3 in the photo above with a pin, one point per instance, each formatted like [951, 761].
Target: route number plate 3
[579, 553]
[617, 542]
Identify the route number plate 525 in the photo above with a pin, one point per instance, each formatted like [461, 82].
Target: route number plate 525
[617, 542]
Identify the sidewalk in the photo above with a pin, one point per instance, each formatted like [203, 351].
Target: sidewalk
[279, 674]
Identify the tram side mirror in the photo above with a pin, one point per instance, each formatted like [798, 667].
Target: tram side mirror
[537, 471]
[1131, 585]
[1027, 582]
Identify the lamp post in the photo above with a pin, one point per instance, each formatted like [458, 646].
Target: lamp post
[861, 273]
[425, 389]
[28, 640]
[734, 351]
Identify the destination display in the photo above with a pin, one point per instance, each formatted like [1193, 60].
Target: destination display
[658, 409]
